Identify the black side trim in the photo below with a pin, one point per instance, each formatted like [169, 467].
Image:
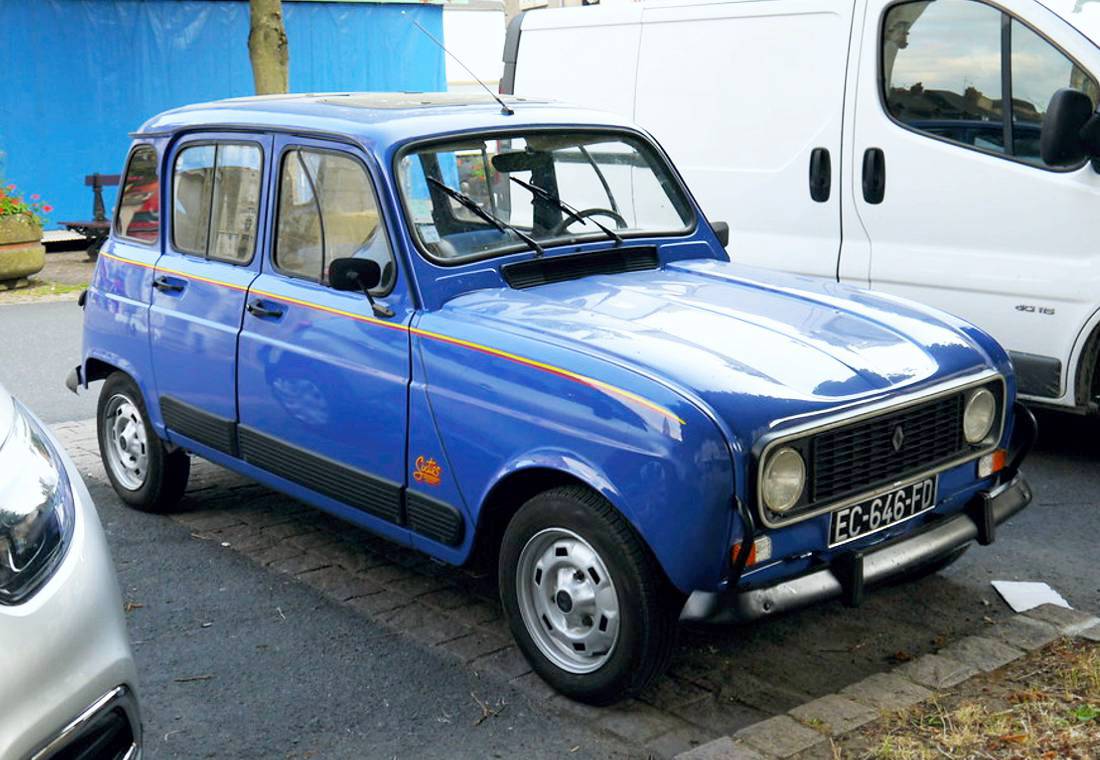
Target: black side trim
[528, 274]
[511, 54]
[434, 519]
[355, 488]
[1037, 375]
[209, 429]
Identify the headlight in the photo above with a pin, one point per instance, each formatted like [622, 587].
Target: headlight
[979, 415]
[783, 480]
[36, 510]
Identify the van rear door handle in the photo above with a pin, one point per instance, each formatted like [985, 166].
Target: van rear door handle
[167, 284]
[874, 175]
[821, 174]
[265, 309]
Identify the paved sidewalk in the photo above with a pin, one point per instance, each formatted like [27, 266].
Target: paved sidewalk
[721, 680]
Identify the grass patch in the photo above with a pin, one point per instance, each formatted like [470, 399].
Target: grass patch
[38, 289]
[1045, 705]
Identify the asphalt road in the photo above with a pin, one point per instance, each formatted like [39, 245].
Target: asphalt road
[340, 685]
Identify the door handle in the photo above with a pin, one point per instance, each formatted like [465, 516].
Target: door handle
[874, 175]
[821, 174]
[265, 310]
[168, 284]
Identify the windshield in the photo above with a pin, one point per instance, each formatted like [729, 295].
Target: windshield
[488, 195]
[1083, 14]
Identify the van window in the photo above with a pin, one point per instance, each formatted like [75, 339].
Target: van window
[327, 210]
[215, 201]
[945, 63]
[138, 216]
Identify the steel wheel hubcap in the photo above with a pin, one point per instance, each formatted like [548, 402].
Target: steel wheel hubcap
[568, 601]
[126, 443]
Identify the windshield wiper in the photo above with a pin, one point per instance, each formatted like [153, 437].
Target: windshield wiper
[475, 208]
[573, 214]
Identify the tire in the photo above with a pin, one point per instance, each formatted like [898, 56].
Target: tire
[143, 472]
[624, 617]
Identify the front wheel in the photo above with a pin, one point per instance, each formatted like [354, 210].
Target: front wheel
[143, 472]
[585, 600]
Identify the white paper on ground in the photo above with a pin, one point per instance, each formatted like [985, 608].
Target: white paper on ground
[1024, 595]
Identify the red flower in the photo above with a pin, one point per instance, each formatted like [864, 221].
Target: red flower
[11, 187]
[47, 209]
[36, 197]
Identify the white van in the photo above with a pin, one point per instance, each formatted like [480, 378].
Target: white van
[867, 141]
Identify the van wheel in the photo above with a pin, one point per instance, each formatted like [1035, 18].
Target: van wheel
[584, 598]
[144, 474]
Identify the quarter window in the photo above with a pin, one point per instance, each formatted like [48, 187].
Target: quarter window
[946, 67]
[138, 216]
[327, 210]
[215, 201]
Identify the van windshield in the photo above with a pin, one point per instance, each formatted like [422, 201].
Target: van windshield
[537, 189]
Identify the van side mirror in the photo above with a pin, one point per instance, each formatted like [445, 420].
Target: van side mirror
[722, 232]
[358, 274]
[1071, 129]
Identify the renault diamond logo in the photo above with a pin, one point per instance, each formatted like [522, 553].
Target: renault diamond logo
[898, 438]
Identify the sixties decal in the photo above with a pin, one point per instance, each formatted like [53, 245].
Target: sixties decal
[559, 371]
[427, 471]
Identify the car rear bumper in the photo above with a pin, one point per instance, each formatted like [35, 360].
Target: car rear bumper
[848, 575]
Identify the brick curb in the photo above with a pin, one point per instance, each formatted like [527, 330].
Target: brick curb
[808, 730]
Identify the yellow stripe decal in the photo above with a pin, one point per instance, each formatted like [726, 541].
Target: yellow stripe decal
[582, 379]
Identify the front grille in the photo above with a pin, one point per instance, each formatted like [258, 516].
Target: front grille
[856, 457]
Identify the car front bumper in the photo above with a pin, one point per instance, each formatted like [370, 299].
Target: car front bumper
[68, 674]
[847, 576]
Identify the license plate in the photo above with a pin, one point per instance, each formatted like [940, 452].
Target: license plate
[880, 512]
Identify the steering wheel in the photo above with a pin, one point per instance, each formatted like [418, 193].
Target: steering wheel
[620, 222]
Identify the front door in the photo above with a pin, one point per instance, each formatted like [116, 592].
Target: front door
[968, 218]
[215, 204]
[323, 379]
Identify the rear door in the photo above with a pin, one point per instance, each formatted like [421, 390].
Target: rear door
[215, 204]
[323, 379]
[969, 218]
[748, 99]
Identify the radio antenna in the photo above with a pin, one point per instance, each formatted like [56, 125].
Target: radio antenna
[504, 109]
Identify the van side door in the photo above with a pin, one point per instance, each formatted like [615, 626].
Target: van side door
[748, 100]
[323, 378]
[215, 203]
[960, 209]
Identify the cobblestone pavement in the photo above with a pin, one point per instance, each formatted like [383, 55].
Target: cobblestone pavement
[721, 680]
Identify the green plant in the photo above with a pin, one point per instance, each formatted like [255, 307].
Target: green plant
[13, 204]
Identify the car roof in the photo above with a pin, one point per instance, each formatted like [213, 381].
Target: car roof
[374, 118]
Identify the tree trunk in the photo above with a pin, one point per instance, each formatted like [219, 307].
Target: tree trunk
[267, 47]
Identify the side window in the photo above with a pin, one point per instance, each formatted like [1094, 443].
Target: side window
[327, 210]
[215, 201]
[138, 216]
[945, 63]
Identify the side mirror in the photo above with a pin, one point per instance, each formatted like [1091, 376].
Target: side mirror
[722, 232]
[354, 274]
[358, 274]
[1071, 131]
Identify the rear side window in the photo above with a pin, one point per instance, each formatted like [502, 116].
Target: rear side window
[327, 211]
[215, 201]
[138, 216]
[950, 66]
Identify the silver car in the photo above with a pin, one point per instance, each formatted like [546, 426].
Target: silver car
[66, 672]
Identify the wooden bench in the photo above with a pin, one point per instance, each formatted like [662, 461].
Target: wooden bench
[99, 226]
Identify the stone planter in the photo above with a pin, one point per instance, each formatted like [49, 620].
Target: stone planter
[21, 250]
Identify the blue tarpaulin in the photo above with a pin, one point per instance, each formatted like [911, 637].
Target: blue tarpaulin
[82, 74]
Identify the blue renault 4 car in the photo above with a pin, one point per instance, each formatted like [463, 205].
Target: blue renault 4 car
[508, 333]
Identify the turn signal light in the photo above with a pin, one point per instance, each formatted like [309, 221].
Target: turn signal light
[760, 551]
[992, 462]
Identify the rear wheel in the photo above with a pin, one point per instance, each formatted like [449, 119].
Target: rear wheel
[143, 472]
[585, 600]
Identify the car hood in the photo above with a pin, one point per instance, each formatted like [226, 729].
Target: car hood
[723, 333]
